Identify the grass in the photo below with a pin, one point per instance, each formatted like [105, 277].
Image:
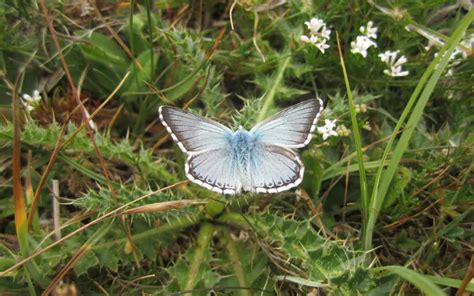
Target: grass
[385, 207]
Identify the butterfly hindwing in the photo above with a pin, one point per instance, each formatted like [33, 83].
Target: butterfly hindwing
[277, 169]
[291, 127]
[193, 133]
[214, 170]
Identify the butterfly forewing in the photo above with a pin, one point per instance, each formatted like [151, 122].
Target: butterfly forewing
[291, 127]
[276, 169]
[191, 132]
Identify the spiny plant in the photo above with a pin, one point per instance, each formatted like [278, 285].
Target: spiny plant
[94, 194]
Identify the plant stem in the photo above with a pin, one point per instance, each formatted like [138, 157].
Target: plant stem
[269, 98]
[202, 246]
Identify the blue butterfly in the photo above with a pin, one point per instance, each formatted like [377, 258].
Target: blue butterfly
[259, 160]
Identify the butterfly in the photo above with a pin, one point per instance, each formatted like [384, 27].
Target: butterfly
[261, 160]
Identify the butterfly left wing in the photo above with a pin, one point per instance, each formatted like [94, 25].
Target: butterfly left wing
[193, 133]
[275, 169]
[291, 127]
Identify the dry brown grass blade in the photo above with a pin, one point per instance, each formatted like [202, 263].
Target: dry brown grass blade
[467, 278]
[81, 252]
[216, 44]
[99, 219]
[18, 200]
[162, 206]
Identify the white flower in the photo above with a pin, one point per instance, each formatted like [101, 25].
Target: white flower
[31, 102]
[320, 43]
[322, 46]
[308, 39]
[325, 33]
[369, 31]
[319, 34]
[396, 72]
[328, 129]
[314, 25]
[395, 66]
[361, 45]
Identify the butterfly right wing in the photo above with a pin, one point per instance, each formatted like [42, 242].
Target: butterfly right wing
[193, 133]
[291, 127]
[214, 170]
[275, 169]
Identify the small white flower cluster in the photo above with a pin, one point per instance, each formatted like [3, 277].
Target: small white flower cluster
[394, 64]
[360, 108]
[328, 129]
[31, 102]
[343, 131]
[365, 41]
[319, 34]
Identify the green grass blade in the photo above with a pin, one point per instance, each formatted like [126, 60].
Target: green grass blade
[420, 281]
[357, 139]
[382, 182]
[339, 171]
[449, 282]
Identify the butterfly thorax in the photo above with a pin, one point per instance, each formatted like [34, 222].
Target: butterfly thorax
[242, 144]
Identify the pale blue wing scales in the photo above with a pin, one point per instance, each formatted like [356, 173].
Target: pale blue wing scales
[292, 127]
[193, 133]
[275, 169]
[215, 171]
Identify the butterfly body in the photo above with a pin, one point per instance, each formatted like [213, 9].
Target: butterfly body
[244, 154]
[259, 160]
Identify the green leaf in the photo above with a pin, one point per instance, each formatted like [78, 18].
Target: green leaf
[418, 280]
[140, 74]
[102, 49]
